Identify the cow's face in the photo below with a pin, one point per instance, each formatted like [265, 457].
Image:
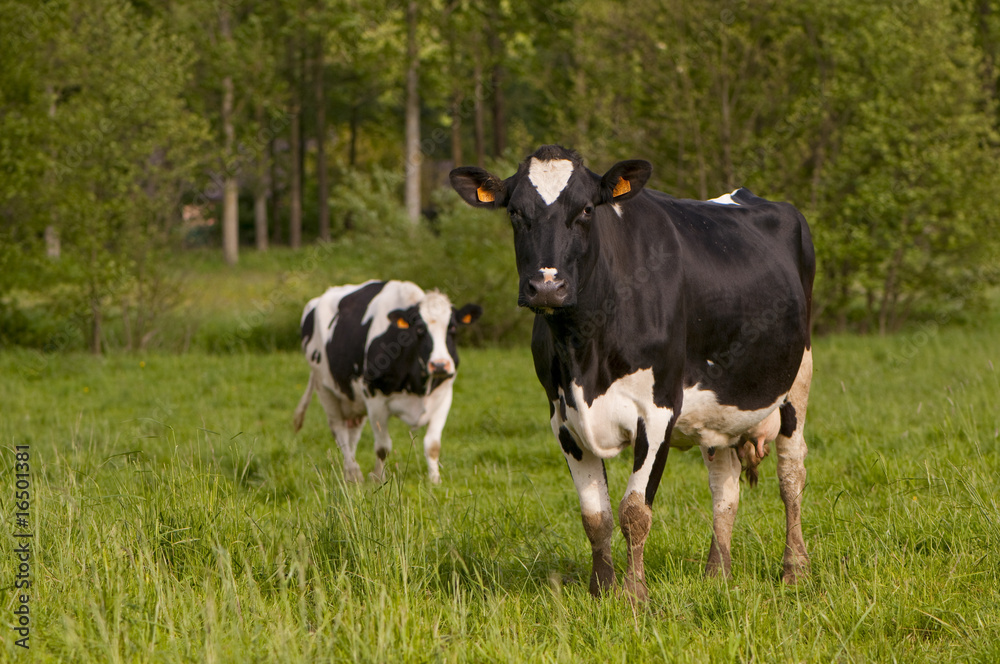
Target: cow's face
[420, 341]
[553, 202]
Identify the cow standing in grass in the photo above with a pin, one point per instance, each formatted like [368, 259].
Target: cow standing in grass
[661, 323]
[378, 349]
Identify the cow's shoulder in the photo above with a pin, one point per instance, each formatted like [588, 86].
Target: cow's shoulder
[347, 330]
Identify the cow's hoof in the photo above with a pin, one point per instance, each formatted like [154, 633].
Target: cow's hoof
[378, 478]
[602, 582]
[353, 475]
[435, 479]
[795, 572]
[636, 591]
[716, 571]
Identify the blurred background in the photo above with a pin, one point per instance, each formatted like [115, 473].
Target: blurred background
[185, 174]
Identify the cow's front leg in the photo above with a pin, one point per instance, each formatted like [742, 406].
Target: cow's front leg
[378, 415]
[595, 505]
[635, 513]
[724, 480]
[432, 438]
[343, 432]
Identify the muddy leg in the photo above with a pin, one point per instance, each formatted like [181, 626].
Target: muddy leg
[791, 447]
[724, 480]
[595, 506]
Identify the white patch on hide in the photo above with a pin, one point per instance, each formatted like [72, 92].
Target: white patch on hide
[550, 177]
[725, 199]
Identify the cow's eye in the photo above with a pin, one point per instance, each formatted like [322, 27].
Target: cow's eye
[584, 216]
[517, 220]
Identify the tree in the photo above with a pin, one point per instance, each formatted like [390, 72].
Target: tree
[122, 144]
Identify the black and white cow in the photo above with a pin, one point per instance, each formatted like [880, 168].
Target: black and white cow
[378, 349]
[661, 322]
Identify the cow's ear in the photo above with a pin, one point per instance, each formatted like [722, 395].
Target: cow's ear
[397, 319]
[468, 314]
[479, 187]
[624, 180]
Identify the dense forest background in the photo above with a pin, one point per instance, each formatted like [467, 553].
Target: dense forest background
[132, 132]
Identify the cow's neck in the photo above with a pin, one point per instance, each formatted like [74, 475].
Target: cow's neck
[613, 310]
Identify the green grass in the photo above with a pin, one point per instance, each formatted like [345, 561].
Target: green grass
[178, 519]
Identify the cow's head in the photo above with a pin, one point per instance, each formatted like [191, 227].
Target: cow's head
[553, 202]
[419, 343]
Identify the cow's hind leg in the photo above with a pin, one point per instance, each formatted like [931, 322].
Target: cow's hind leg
[791, 447]
[724, 480]
[341, 430]
[591, 483]
[378, 414]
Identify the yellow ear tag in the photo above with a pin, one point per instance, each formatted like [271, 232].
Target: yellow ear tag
[623, 187]
[402, 324]
[485, 195]
[467, 318]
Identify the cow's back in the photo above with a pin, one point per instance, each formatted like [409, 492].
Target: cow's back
[338, 326]
[334, 333]
[748, 273]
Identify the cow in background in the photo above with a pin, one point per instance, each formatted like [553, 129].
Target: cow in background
[381, 349]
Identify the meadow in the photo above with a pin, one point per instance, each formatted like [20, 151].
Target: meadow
[177, 518]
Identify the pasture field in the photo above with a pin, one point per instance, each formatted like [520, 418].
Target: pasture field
[177, 518]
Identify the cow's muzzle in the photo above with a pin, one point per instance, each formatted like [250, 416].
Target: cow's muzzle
[441, 369]
[546, 293]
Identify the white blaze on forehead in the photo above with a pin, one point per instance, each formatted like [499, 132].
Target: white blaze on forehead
[550, 177]
[549, 273]
[725, 199]
[435, 309]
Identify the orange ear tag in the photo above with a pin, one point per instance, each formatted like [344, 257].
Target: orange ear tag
[623, 187]
[467, 318]
[402, 324]
[485, 195]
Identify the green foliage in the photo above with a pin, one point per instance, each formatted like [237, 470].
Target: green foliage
[877, 120]
[905, 219]
[177, 518]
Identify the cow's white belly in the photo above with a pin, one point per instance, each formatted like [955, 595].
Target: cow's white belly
[608, 424]
[705, 422]
[415, 410]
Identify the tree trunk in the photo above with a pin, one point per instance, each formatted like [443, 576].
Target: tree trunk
[295, 220]
[352, 151]
[989, 48]
[276, 227]
[456, 129]
[497, 79]
[413, 157]
[890, 292]
[478, 121]
[53, 246]
[230, 197]
[260, 190]
[322, 184]
[230, 220]
[725, 130]
[95, 325]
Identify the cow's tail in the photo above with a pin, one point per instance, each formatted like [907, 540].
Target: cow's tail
[300, 410]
